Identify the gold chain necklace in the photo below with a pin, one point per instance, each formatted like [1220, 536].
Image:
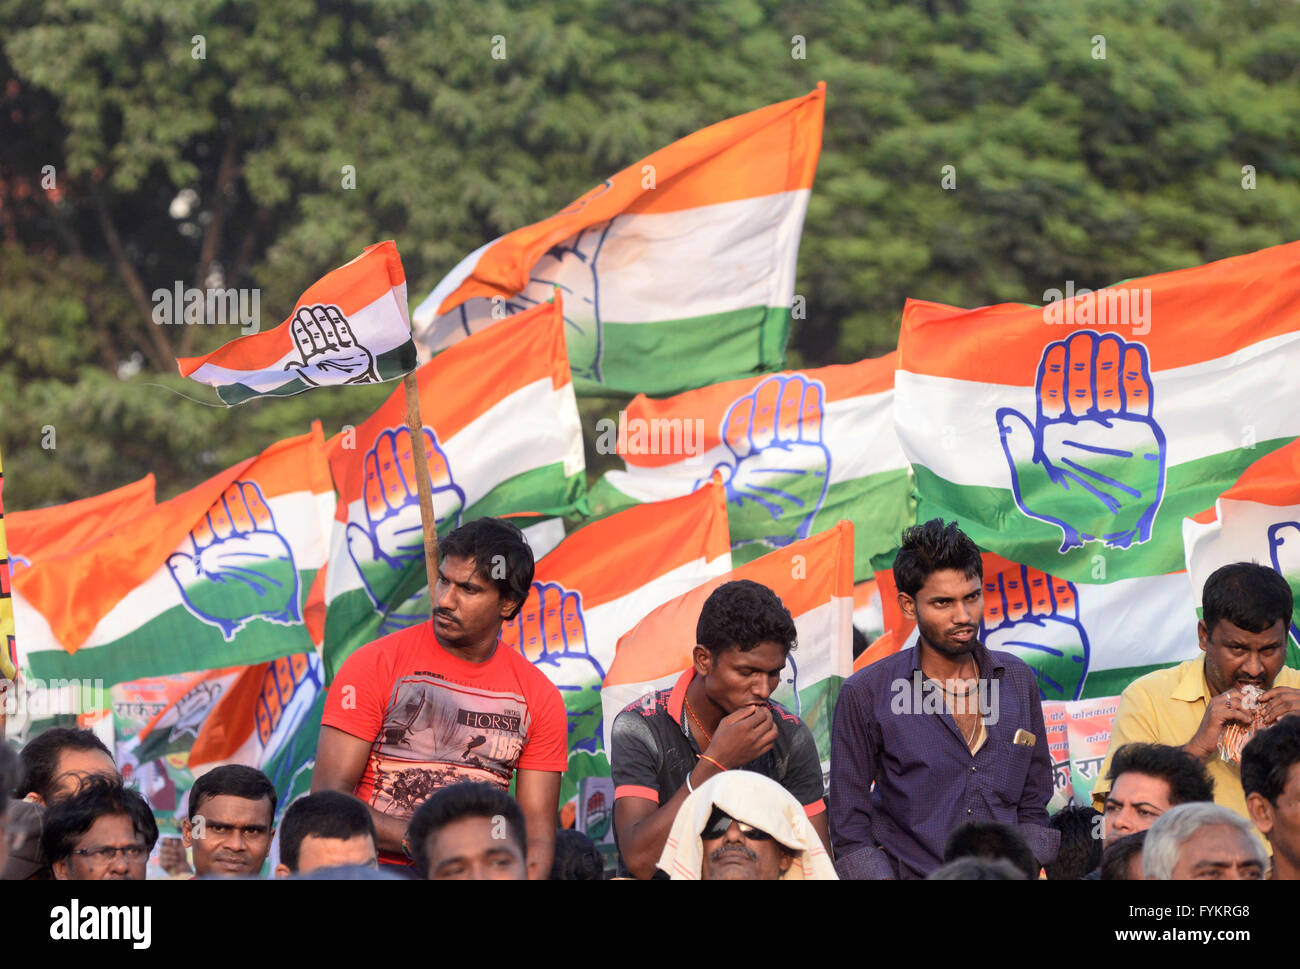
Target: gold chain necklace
[698, 726]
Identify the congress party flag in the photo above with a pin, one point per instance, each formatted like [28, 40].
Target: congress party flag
[1076, 437]
[188, 700]
[677, 272]
[502, 436]
[350, 327]
[1257, 519]
[58, 529]
[212, 578]
[813, 578]
[596, 585]
[798, 451]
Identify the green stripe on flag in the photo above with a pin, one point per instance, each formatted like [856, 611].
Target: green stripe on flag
[675, 355]
[1113, 682]
[990, 517]
[175, 642]
[390, 365]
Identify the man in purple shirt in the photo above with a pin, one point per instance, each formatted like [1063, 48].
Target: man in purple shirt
[947, 731]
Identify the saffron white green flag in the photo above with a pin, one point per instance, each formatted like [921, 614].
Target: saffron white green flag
[676, 272]
[797, 451]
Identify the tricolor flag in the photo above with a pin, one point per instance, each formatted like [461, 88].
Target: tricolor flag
[596, 585]
[813, 578]
[58, 529]
[798, 451]
[677, 272]
[174, 728]
[268, 718]
[1255, 520]
[502, 436]
[212, 578]
[350, 327]
[1075, 437]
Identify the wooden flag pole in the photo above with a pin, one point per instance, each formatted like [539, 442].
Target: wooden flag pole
[420, 457]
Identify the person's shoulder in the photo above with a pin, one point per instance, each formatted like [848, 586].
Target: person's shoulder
[648, 704]
[1287, 676]
[1012, 663]
[786, 719]
[387, 649]
[1161, 682]
[530, 677]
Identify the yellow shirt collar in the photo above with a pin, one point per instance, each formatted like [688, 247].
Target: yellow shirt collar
[1193, 685]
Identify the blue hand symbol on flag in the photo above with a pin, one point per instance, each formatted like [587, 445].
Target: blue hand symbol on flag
[392, 538]
[1092, 461]
[551, 633]
[241, 568]
[1036, 616]
[779, 470]
[1284, 552]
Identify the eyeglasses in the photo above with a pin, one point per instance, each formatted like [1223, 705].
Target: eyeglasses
[108, 853]
[719, 822]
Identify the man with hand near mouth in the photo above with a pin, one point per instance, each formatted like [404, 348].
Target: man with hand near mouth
[1243, 638]
[231, 822]
[717, 718]
[446, 701]
[938, 764]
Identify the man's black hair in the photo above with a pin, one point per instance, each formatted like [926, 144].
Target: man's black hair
[860, 642]
[990, 840]
[325, 814]
[932, 547]
[576, 858]
[233, 780]
[1248, 595]
[1116, 855]
[468, 799]
[1186, 776]
[500, 553]
[40, 757]
[1269, 757]
[1080, 850]
[973, 869]
[97, 797]
[742, 614]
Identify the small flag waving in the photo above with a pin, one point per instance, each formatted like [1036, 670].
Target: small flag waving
[596, 585]
[1256, 520]
[798, 451]
[212, 578]
[502, 436]
[677, 272]
[813, 578]
[349, 327]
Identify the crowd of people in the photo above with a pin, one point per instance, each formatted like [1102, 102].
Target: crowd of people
[441, 755]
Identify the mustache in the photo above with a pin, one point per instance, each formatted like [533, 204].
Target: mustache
[446, 614]
[732, 846]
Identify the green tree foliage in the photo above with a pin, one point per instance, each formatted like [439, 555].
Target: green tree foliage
[230, 168]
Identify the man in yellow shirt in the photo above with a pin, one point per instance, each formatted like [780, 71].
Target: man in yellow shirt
[1243, 636]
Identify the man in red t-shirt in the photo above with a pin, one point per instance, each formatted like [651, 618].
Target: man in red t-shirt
[446, 701]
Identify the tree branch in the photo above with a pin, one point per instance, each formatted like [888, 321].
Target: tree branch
[156, 348]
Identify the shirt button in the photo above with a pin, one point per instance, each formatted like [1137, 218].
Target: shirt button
[972, 770]
[968, 810]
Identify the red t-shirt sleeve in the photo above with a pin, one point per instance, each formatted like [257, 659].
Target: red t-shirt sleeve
[547, 747]
[354, 704]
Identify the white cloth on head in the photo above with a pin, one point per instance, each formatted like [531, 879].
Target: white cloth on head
[751, 799]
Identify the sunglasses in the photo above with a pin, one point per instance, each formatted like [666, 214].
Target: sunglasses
[719, 822]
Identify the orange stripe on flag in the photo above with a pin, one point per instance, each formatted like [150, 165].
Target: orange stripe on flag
[232, 719]
[805, 574]
[1197, 314]
[885, 645]
[352, 287]
[59, 529]
[1272, 480]
[773, 149]
[644, 542]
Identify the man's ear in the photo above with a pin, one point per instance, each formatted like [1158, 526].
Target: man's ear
[908, 606]
[61, 873]
[786, 861]
[1202, 635]
[282, 870]
[1261, 812]
[186, 828]
[702, 659]
[33, 798]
